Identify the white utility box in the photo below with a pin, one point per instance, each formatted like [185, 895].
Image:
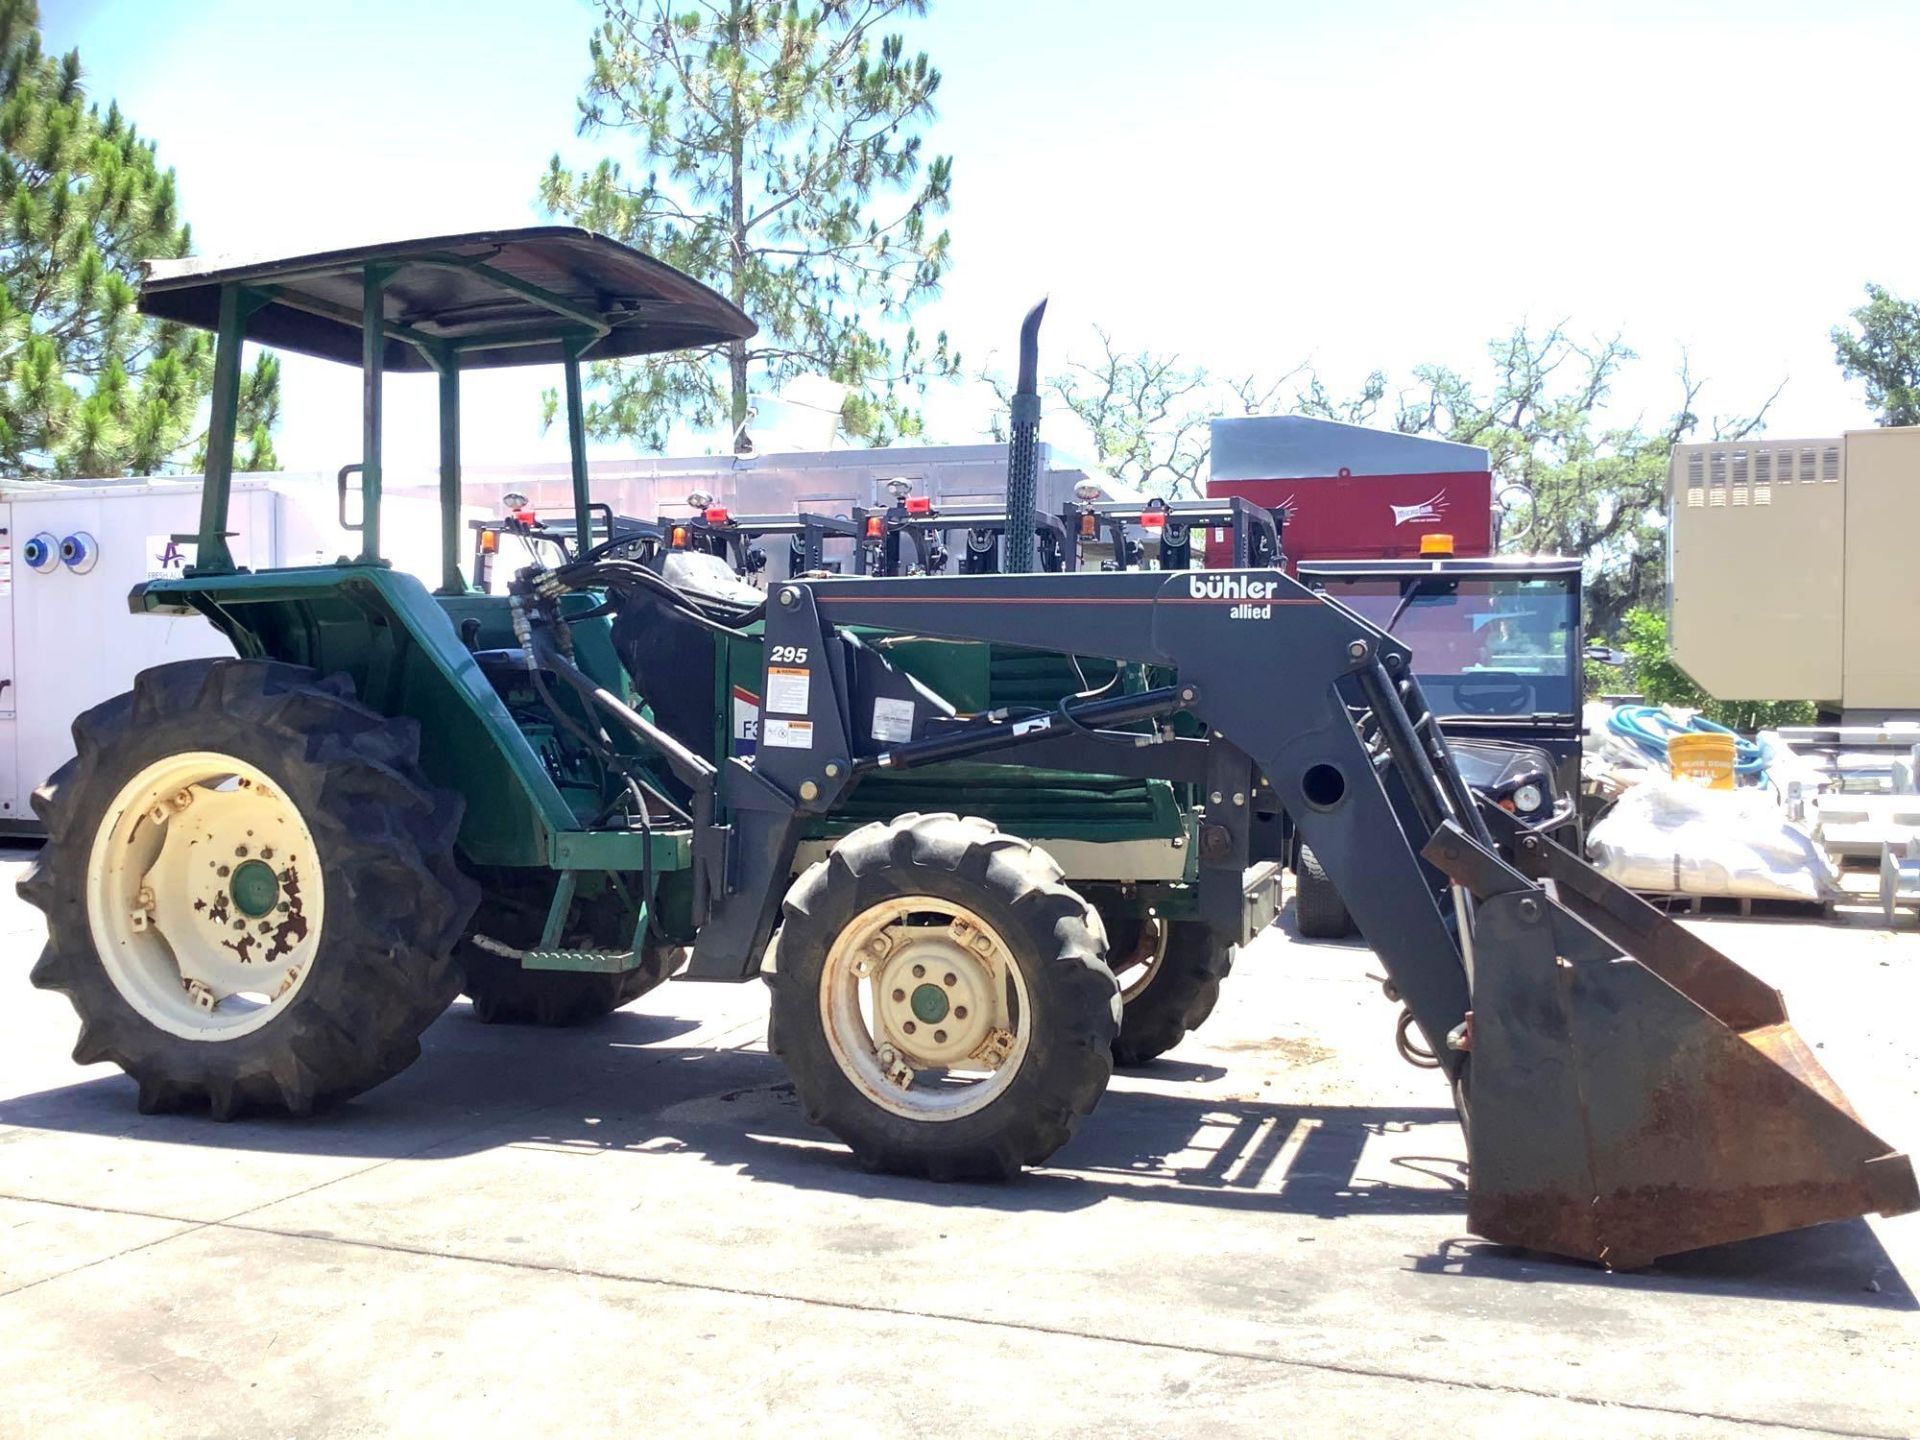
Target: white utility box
[71, 551]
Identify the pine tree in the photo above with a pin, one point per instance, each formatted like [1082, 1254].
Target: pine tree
[88, 386]
[783, 166]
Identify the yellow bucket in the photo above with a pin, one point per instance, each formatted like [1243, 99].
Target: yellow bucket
[1704, 757]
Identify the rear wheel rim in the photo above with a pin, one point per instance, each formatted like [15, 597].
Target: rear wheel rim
[1139, 969]
[205, 896]
[925, 1009]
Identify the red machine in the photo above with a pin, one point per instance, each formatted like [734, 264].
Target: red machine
[1351, 493]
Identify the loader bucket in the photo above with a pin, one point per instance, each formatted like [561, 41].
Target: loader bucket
[1633, 1093]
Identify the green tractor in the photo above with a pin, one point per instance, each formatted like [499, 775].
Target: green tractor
[986, 832]
[524, 853]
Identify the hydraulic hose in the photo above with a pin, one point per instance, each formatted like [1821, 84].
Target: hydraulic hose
[1648, 728]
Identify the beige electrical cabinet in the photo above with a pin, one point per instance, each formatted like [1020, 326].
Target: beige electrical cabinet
[1794, 569]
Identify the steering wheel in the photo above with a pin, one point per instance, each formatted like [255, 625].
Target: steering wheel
[1493, 692]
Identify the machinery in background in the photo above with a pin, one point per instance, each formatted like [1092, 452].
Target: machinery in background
[1831, 525]
[1353, 493]
[1497, 642]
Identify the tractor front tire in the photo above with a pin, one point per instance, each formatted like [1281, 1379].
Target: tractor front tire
[250, 889]
[941, 1000]
[1173, 989]
[1317, 907]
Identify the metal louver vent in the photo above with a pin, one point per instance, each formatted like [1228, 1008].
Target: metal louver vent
[1830, 464]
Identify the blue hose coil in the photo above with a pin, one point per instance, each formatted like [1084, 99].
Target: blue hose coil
[1648, 728]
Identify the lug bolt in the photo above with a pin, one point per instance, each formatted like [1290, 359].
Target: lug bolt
[241, 851]
[909, 1027]
[266, 852]
[266, 927]
[223, 872]
[899, 995]
[239, 924]
[959, 1012]
[283, 907]
[940, 1037]
[919, 972]
[951, 979]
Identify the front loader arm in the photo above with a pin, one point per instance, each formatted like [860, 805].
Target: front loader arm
[1265, 660]
[1623, 1108]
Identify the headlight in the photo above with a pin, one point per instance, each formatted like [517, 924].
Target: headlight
[1527, 799]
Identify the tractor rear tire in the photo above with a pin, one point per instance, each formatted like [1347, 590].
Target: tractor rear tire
[975, 961]
[250, 888]
[1176, 989]
[1317, 907]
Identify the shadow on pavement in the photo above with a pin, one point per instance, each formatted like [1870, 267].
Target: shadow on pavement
[620, 1085]
[1841, 1263]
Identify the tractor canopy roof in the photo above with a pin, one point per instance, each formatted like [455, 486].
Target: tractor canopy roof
[496, 297]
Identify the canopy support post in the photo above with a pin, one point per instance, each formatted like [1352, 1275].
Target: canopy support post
[577, 449]
[212, 554]
[452, 580]
[373, 365]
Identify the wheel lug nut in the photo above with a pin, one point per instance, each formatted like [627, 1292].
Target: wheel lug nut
[952, 979]
[909, 1027]
[959, 1012]
[940, 1037]
[223, 872]
[241, 851]
[266, 852]
[899, 995]
[919, 972]
[283, 907]
[239, 924]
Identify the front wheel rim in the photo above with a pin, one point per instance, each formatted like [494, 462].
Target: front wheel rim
[205, 896]
[925, 1008]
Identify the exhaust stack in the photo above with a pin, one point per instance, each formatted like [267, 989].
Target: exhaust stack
[1023, 449]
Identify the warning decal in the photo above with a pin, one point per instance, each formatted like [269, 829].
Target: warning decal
[788, 734]
[787, 690]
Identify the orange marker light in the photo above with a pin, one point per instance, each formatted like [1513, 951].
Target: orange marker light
[919, 504]
[876, 527]
[677, 537]
[1436, 544]
[717, 515]
[1089, 526]
[489, 542]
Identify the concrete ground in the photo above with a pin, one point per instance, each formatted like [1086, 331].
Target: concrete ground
[628, 1228]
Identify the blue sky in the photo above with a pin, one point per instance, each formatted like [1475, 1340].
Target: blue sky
[1248, 184]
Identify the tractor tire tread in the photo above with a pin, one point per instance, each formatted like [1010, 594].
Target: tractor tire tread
[385, 970]
[1057, 938]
